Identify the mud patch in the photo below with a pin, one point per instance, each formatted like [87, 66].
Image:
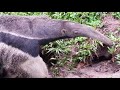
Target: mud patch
[105, 69]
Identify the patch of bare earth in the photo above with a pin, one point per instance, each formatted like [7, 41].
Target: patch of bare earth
[105, 69]
[102, 69]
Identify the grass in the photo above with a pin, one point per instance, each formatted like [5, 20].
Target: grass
[84, 47]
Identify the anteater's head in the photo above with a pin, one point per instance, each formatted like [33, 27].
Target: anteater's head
[73, 29]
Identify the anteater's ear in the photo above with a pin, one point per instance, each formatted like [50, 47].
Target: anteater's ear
[63, 31]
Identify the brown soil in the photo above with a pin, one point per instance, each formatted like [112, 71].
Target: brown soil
[102, 69]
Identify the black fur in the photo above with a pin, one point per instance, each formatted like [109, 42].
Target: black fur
[30, 46]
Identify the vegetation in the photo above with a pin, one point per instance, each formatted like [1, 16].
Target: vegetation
[82, 46]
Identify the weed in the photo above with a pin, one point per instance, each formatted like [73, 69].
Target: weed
[116, 14]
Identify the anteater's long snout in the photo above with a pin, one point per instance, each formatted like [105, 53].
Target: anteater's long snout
[94, 34]
[77, 29]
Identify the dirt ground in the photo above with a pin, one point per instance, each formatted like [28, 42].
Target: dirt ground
[103, 69]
